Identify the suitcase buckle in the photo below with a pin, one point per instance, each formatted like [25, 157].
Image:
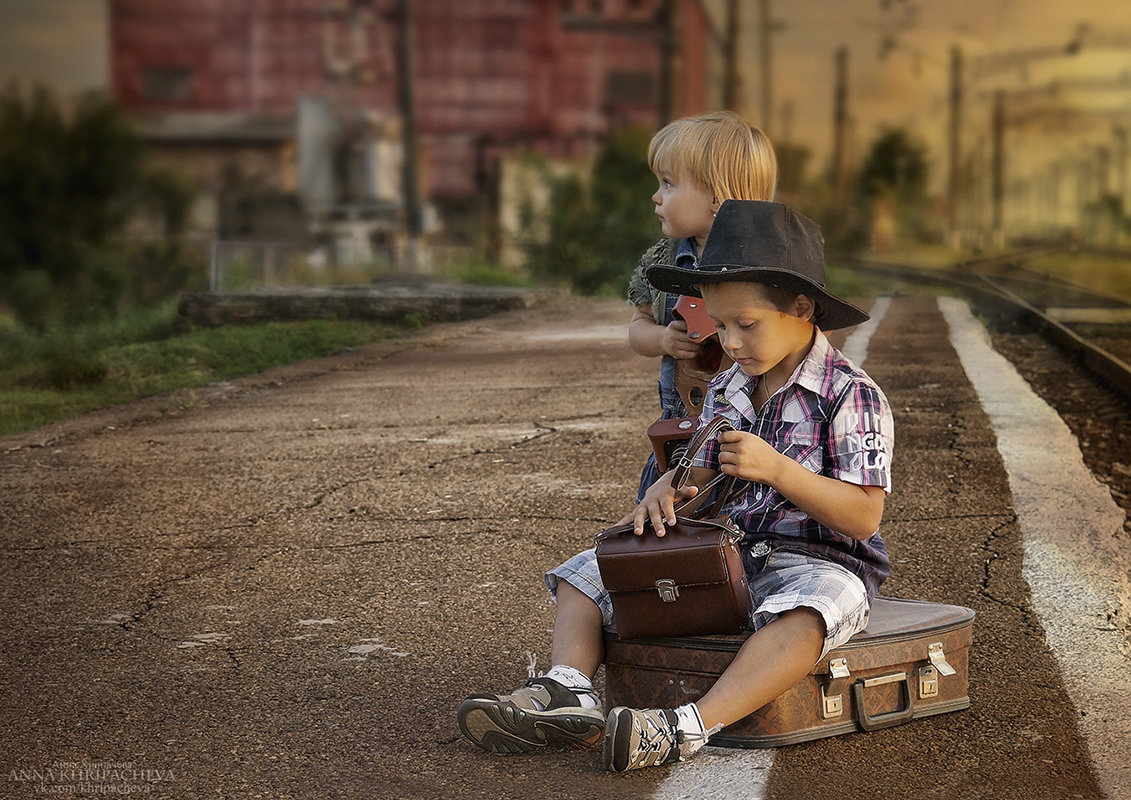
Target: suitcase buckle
[832, 692]
[937, 658]
[669, 592]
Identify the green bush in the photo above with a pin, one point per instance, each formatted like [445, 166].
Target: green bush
[590, 233]
[70, 183]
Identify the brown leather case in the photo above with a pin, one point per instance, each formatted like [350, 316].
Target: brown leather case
[690, 579]
[912, 661]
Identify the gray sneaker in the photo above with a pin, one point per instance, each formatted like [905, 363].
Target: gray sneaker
[641, 738]
[542, 713]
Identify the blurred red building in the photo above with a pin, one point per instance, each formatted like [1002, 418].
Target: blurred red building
[245, 86]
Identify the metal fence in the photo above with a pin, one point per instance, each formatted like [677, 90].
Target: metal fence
[247, 266]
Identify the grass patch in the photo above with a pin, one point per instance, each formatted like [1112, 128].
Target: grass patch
[849, 283]
[1103, 273]
[57, 375]
[485, 273]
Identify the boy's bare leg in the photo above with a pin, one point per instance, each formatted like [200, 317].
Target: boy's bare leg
[578, 641]
[770, 662]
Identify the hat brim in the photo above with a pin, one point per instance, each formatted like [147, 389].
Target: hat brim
[832, 312]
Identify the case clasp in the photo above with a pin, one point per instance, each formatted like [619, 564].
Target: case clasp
[669, 592]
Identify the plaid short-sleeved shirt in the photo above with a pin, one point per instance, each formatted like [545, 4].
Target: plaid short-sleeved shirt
[835, 421]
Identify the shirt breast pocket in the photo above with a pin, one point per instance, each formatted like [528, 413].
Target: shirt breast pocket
[803, 444]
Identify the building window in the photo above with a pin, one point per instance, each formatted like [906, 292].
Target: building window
[166, 83]
[630, 88]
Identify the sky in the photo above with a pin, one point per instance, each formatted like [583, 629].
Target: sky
[62, 43]
[903, 84]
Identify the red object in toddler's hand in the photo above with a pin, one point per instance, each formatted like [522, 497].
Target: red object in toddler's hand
[693, 311]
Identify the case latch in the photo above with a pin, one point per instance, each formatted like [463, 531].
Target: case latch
[937, 657]
[669, 592]
[928, 681]
[832, 693]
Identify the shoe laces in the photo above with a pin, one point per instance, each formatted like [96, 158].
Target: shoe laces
[690, 743]
[533, 673]
[658, 739]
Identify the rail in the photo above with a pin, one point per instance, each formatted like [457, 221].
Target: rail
[988, 293]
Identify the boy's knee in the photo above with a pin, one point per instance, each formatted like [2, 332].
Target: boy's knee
[810, 624]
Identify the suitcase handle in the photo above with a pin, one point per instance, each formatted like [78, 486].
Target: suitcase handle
[868, 722]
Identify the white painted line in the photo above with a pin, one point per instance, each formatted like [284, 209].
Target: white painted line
[730, 774]
[856, 345]
[1075, 565]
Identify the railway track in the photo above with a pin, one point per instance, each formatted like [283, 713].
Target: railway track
[1091, 326]
[1071, 343]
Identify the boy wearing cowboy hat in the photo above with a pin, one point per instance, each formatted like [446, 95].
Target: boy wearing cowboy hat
[813, 436]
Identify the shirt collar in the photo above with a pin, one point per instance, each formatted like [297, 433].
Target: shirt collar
[813, 371]
[810, 374]
[685, 250]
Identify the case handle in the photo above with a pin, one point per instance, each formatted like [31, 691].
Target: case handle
[732, 487]
[868, 722]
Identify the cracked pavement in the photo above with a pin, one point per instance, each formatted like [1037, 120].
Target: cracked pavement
[282, 586]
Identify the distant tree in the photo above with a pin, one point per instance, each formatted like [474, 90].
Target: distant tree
[591, 231]
[893, 183]
[793, 160]
[897, 166]
[70, 182]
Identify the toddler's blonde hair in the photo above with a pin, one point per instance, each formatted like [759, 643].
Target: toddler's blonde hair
[721, 152]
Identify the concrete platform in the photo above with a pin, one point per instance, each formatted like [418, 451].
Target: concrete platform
[392, 301]
[283, 586]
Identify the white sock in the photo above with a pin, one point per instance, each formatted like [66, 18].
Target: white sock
[691, 725]
[576, 680]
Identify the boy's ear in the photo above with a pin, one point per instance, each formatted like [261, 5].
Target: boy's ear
[804, 307]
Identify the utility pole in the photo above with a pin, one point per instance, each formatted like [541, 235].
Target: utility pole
[1084, 175]
[1120, 134]
[730, 55]
[954, 183]
[1056, 177]
[765, 29]
[997, 168]
[840, 123]
[786, 126]
[408, 133]
[668, 50]
[1103, 170]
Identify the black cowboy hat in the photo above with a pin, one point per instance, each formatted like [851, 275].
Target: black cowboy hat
[762, 242]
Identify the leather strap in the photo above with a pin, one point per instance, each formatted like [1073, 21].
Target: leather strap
[728, 491]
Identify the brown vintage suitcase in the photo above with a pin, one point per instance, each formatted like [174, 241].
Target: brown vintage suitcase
[912, 661]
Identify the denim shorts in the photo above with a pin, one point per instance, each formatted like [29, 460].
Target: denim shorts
[788, 580]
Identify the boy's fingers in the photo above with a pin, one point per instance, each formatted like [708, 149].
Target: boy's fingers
[638, 518]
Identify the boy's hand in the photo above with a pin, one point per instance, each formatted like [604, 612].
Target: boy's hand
[658, 506]
[749, 457]
[677, 343]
